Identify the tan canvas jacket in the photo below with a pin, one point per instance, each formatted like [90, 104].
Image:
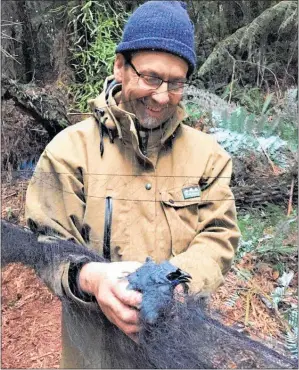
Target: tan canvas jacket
[171, 201]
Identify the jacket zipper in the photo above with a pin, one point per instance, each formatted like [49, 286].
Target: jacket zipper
[107, 229]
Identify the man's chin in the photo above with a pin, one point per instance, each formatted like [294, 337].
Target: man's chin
[150, 119]
[150, 123]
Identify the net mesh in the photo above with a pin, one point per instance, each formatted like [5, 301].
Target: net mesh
[183, 336]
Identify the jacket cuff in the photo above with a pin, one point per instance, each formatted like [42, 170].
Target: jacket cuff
[72, 290]
[74, 273]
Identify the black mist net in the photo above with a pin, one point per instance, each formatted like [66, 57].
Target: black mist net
[174, 333]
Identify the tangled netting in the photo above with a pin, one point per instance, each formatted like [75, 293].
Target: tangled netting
[182, 335]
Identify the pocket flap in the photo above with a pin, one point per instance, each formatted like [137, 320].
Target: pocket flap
[182, 197]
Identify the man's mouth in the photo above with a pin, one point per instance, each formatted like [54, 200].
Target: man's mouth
[152, 109]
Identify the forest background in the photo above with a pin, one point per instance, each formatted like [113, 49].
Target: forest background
[55, 56]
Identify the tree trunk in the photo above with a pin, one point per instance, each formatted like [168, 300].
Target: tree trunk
[35, 36]
[35, 76]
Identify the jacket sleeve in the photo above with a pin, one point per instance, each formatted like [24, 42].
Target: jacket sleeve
[210, 254]
[55, 206]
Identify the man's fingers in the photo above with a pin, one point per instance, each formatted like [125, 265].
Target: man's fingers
[127, 296]
[114, 299]
[126, 323]
[134, 337]
[123, 312]
[128, 267]
[127, 328]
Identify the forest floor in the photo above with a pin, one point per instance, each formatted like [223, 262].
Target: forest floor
[31, 314]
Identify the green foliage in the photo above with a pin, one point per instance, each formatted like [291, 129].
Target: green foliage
[232, 299]
[252, 98]
[96, 28]
[9, 213]
[280, 296]
[274, 241]
[292, 317]
[240, 130]
[243, 274]
[288, 131]
[193, 112]
[251, 230]
[291, 341]
[292, 335]
[264, 231]
[279, 266]
[287, 111]
[264, 115]
[254, 43]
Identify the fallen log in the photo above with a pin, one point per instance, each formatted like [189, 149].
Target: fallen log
[258, 191]
[46, 107]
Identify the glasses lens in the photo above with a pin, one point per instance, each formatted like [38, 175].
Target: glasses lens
[176, 87]
[147, 82]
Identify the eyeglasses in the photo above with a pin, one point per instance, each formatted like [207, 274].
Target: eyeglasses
[151, 82]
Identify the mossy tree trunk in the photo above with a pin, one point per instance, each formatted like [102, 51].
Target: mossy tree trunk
[35, 75]
[34, 39]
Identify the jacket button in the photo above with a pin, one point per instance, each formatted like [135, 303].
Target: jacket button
[148, 186]
[171, 201]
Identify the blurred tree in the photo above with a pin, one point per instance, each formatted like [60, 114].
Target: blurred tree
[254, 42]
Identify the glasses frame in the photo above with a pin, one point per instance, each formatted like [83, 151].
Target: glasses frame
[141, 75]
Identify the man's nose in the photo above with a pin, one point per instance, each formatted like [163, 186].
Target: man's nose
[161, 95]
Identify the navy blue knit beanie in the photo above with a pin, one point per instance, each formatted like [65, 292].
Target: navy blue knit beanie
[161, 25]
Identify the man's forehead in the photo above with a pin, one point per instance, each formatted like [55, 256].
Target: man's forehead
[153, 60]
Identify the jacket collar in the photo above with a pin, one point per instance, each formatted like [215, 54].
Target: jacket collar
[107, 110]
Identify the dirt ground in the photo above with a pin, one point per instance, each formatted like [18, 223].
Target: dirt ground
[31, 314]
[30, 321]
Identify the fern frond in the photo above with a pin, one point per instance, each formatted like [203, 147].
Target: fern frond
[231, 301]
[291, 342]
[293, 318]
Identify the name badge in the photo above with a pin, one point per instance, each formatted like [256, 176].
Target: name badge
[191, 192]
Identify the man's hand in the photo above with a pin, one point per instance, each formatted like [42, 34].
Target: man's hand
[106, 281]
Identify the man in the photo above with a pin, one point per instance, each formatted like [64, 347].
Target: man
[133, 181]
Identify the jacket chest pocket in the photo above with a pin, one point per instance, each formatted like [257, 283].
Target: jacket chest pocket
[102, 217]
[182, 216]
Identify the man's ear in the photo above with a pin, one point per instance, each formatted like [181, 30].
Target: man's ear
[119, 65]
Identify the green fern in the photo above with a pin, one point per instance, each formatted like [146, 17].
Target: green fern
[291, 336]
[231, 301]
[293, 317]
[291, 341]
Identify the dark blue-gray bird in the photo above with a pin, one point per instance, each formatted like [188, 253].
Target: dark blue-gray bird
[157, 283]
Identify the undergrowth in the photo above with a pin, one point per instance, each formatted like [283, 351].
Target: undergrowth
[241, 129]
[270, 236]
[95, 28]
[265, 231]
